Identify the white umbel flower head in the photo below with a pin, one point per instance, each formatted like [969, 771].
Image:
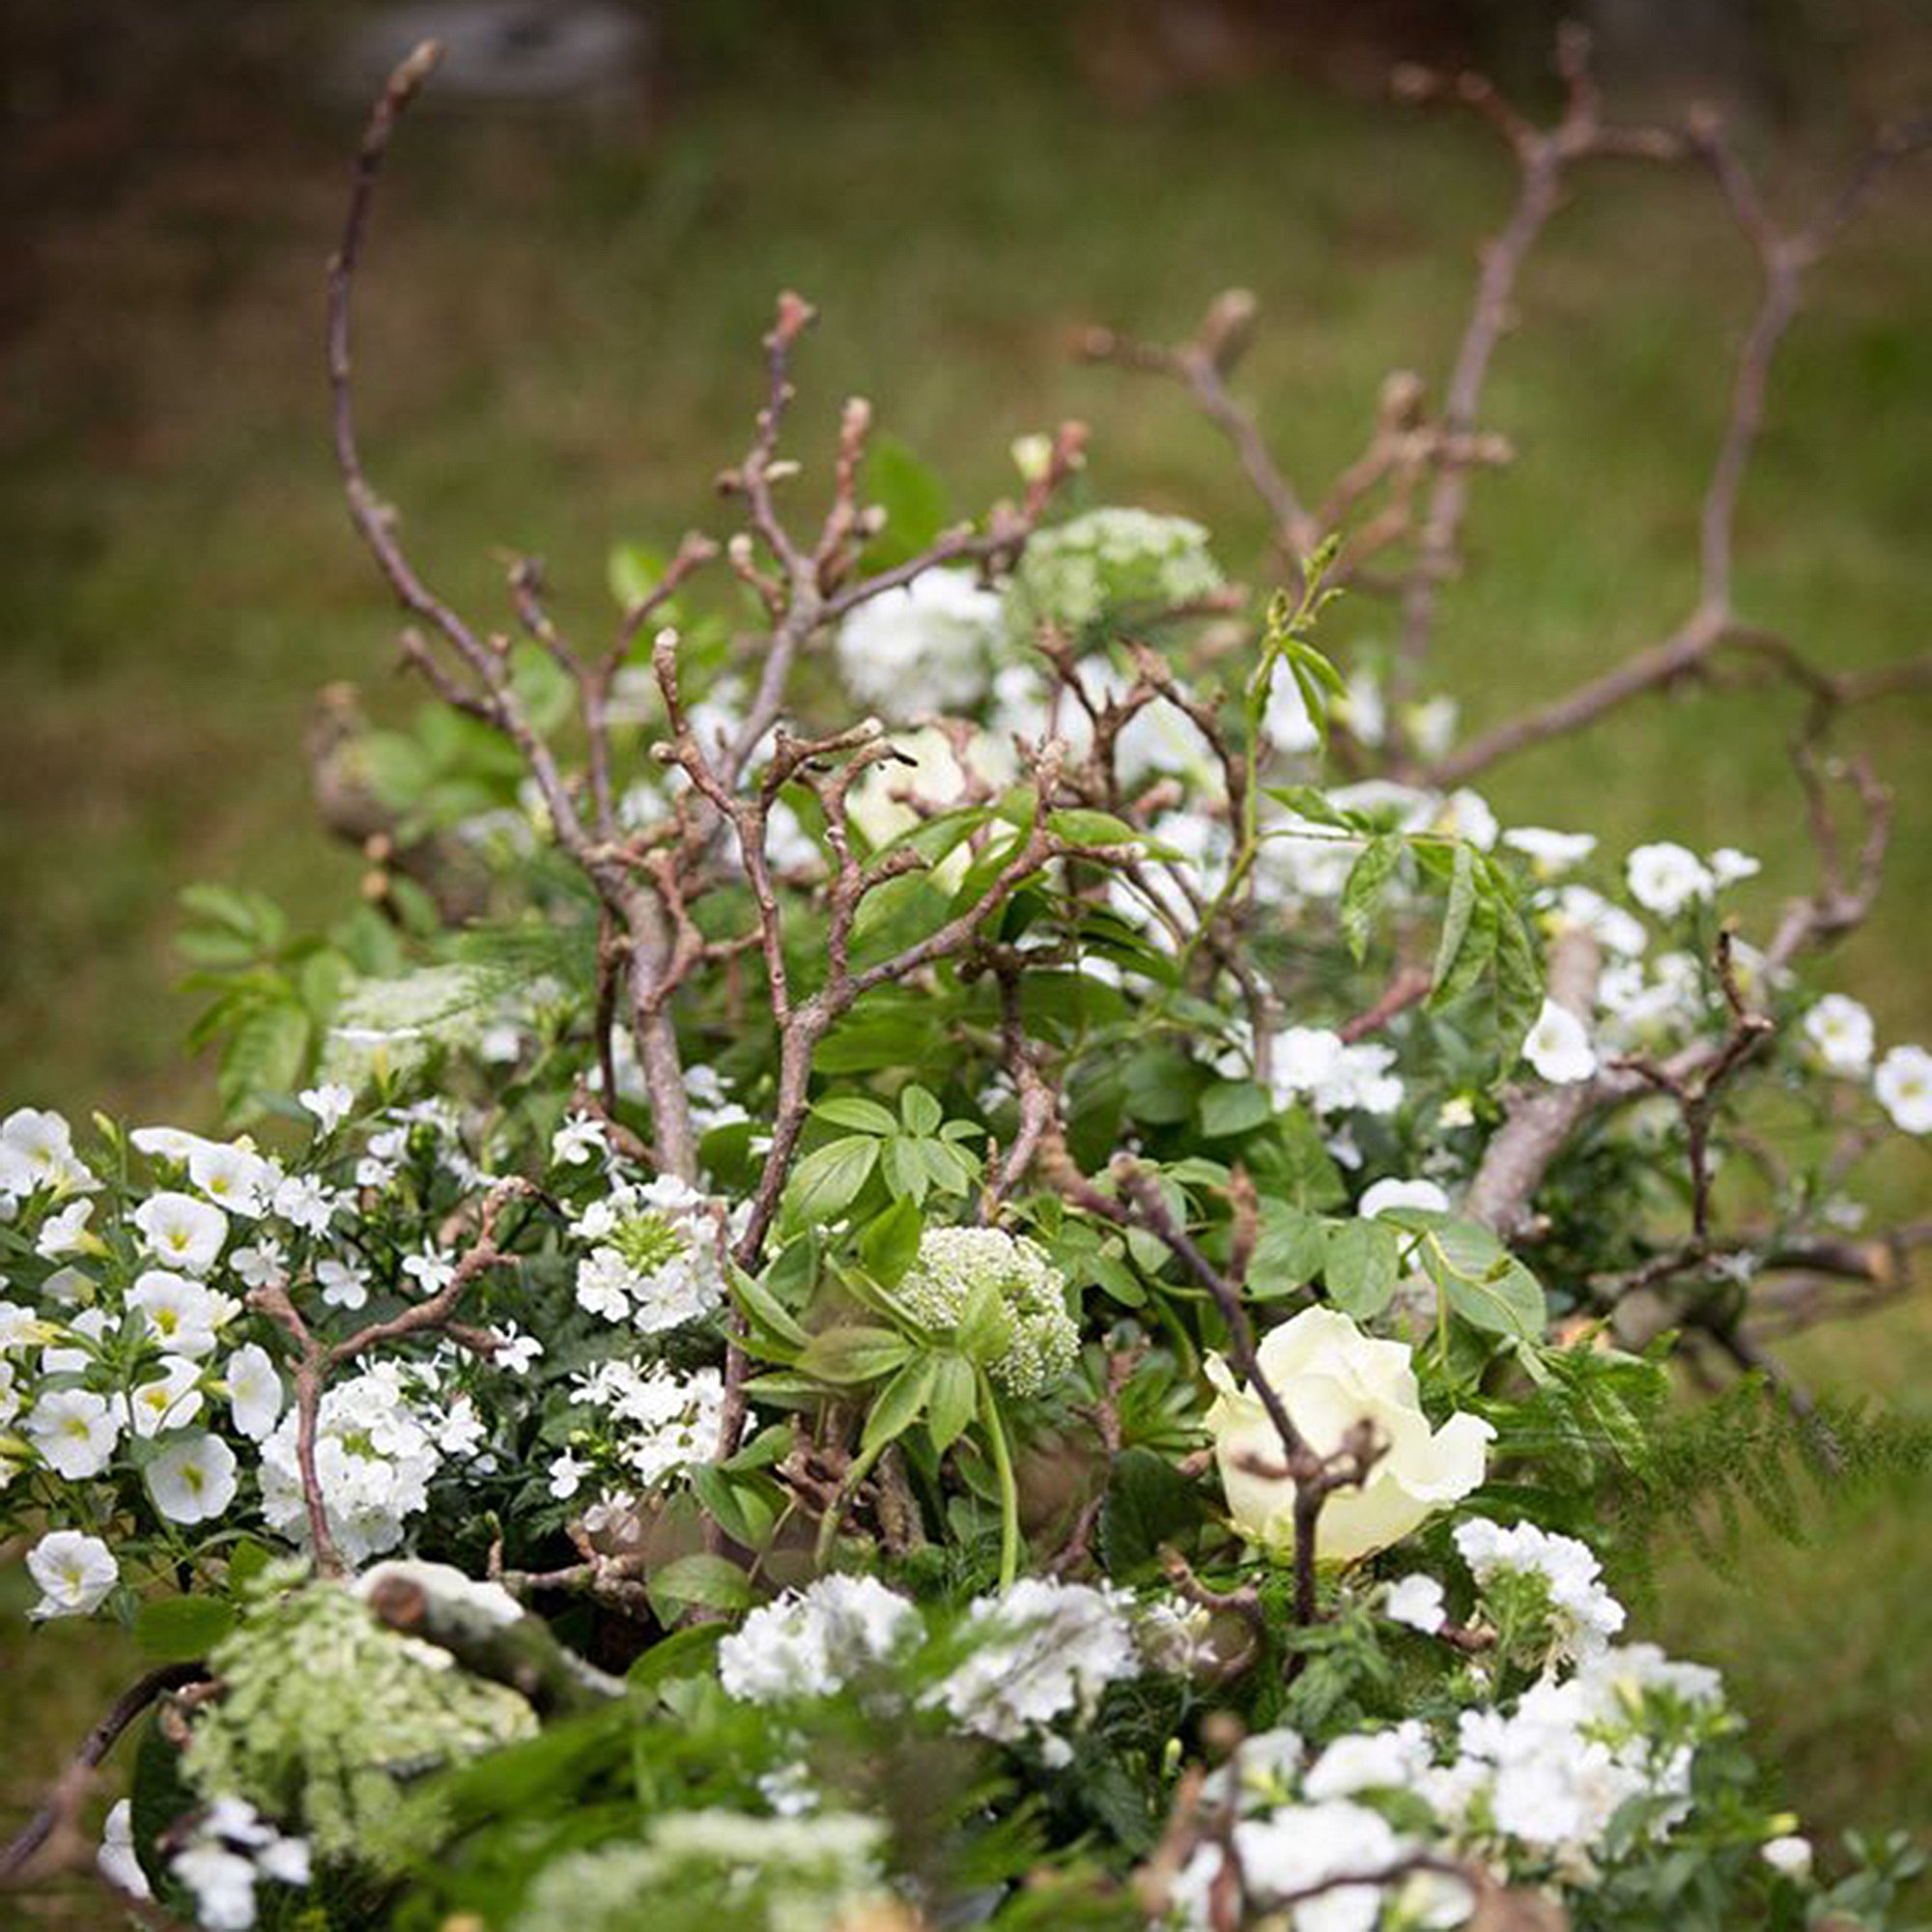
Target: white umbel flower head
[75, 1574]
[963, 1267]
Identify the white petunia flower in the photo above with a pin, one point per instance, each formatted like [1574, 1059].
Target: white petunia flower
[1664, 878]
[1903, 1084]
[75, 1431]
[330, 1103]
[65, 1232]
[1558, 1046]
[171, 1402]
[233, 1178]
[1417, 1602]
[1840, 1033]
[35, 1152]
[182, 1232]
[116, 1860]
[254, 1391]
[75, 1574]
[192, 1480]
[1383, 1194]
[1549, 852]
[183, 1315]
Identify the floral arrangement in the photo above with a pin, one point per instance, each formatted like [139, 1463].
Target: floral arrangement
[1051, 1309]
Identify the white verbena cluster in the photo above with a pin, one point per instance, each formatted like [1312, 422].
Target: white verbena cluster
[1035, 1341]
[1044, 1651]
[376, 1449]
[662, 1421]
[816, 1641]
[925, 646]
[655, 1260]
[1582, 1616]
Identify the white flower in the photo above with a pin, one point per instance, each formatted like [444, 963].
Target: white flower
[1297, 1850]
[814, 1643]
[1578, 907]
[181, 1314]
[515, 1350]
[1383, 1194]
[1391, 1760]
[566, 1476]
[254, 1390]
[927, 769]
[75, 1430]
[581, 1139]
[171, 1402]
[1585, 1616]
[75, 1574]
[1333, 1074]
[233, 1178]
[1417, 1602]
[1432, 725]
[37, 1150]
[1728, 865]
[66, 1233]
[1047, 1650]
[656, 1262]
[331, 1103]
[954, 1266]
[925, 647]
[223, 1883]
[192, 1480]
[344, 1284]
[264, 1264]
[182, 1232]
[431, 1270]
[116, 1860]
[1790, 1855]
[1840, 1033]
[1549, 852]
[1330, 1376]
[304, 1202]
[1558, 1046]
[1903, 1084]
[1666, 878]
[1360, 709]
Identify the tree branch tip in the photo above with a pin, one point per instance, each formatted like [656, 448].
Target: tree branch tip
[413, 71]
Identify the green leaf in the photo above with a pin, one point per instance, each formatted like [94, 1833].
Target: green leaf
[1083, 827]
[178, 1629]
[854, 1111]
[1361, 1265]
[951, 1402]
[826, 1182]
[984, 1329]
[889, 1244]
[1456, 918]
[685, 1653]
[737, 1508]
[899, 1403]
[906, 1171]
[854, 1353]
[1368, 879]
[632, 572]
[1148, 1502]
[265, 1057]
[1482, 1281]
[1475, 953]
[920, 1111]
[1234, 1107]
[714, 1582]
[766, 1310]
[1518, 989]
[1290, 1251]
[1311, 802]
[912, 495]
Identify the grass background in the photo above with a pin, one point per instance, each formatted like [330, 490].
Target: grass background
[558, 349]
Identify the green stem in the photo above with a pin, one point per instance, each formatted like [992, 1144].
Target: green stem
[1009, 1493]
[828, 1528]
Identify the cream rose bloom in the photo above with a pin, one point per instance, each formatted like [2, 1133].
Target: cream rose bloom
[1330, 1375]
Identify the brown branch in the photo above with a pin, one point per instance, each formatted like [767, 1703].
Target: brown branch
[70, 1790]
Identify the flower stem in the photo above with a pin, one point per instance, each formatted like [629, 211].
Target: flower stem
[1009, 1494]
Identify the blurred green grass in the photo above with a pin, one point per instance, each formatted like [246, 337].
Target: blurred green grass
[559, 348]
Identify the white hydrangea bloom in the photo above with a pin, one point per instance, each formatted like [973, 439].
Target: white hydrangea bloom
[1047, 1651]
[814, 1643]
[925, 646]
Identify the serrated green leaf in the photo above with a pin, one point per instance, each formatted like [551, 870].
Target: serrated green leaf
[954, 1397]
[853, 1354]
[1368, 879]
[899, 1403]
[1456, 914]
[827, 1180]
[855, 1111]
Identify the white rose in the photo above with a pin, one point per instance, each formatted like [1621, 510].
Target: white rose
[1330, 1376]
